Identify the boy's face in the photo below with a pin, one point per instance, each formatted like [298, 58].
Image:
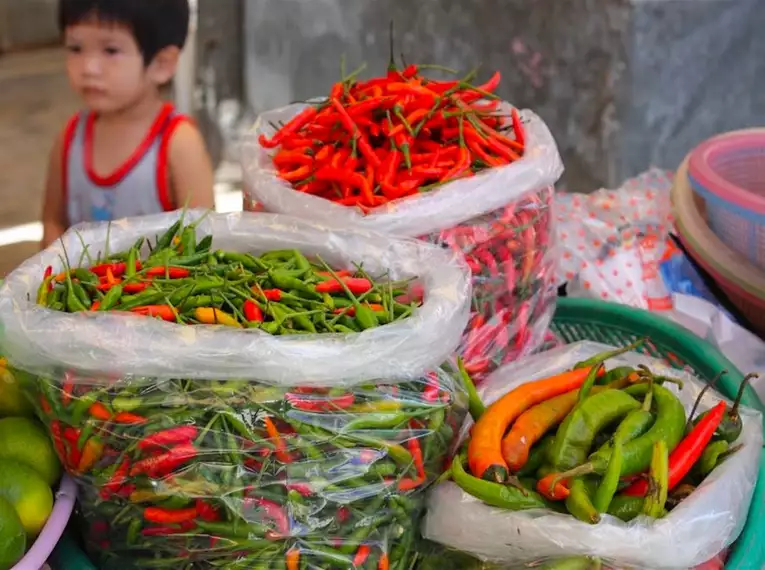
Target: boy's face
[106, 66]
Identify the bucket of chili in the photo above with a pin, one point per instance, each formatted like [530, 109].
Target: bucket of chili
[443, 161]
[585, 450]
[261, 398]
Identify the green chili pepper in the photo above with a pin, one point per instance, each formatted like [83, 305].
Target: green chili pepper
[669, 427]
[616, 374]
[245, 259]
[189, 241]
[111, 298]
[475, 404]
[658, 488]
[204, 244]
[73, 302]
[625, 507]
[85, 276]
[634, 425]
[494, 494]
[595, 362]
[167, 238]
[575, 435]
[133, 529]
[610, 482]
[709, 457]
[572, 563]
[148, 297]
[580, 505]
[130, 265]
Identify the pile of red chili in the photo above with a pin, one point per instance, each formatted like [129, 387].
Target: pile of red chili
[385, 138]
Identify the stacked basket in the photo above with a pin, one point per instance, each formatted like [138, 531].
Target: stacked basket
[719, 205]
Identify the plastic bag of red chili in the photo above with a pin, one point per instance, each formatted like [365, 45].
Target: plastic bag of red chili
[444, 161]
[241, 444]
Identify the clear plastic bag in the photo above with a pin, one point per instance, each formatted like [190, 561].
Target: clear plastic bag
[208, 447]
[40, 340]
[705, 523]
[501, 219]
[243, 475]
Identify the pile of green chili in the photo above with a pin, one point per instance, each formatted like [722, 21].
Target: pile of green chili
[196, 474]
[182, 279]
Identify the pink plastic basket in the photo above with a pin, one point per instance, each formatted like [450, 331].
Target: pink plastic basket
[728, 172]
[740, 280]
[41, 550]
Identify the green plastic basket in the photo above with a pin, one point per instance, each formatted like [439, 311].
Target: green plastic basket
[618, 325]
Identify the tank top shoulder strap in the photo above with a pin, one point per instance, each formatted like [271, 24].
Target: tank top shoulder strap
[174, 120]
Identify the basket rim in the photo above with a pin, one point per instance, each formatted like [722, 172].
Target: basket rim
[714, 255]
[701, 170]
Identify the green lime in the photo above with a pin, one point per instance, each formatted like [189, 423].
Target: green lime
[13, 401]
[24, 440]
[29, 494]
[13, 539]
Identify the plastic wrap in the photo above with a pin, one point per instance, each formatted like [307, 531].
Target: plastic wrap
[705, 523]
[501, 219]
[223, 474]
[41, 341]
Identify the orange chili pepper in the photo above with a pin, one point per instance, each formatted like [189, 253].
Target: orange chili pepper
[293, 559]
[281, 448]
[553, 487]
[99, 411]
[485, 448]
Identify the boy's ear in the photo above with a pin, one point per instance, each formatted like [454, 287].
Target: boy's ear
[162, 68]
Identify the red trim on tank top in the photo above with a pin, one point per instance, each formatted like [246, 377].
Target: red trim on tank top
[163, 162]
[69, 131]
[123, 170]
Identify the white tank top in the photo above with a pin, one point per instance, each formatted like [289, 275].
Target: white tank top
[139, 187]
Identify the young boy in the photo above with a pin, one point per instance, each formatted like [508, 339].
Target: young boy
[129, 153]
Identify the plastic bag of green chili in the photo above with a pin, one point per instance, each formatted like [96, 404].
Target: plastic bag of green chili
[203, 447]
[705, 523]
[41, 339]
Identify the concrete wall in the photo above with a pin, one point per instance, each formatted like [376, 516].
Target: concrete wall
[622, 83]
[27, 23]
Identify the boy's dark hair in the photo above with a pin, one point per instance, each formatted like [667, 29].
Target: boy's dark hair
[155, 24]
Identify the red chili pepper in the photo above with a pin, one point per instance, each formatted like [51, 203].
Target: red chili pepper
[67, 389]
[165, 463]
[520, 135]
[346, 176]
[288, 159]
[252, 312]
[414, 448]
[169, 437]
[276, 513]
[361, 556]
[384, 563]
[58, 442]
[356, 285]
[117, 269]
[463, 163]
[132, 288]
[129, 419]
[95, 306]
[476, 93]
[292, 558]
[269, 294]
[71, 435]
[168, 272]
[353, 129]
[115, 481]
[206, 511]
[320, 404]
[99, 411]
[293, 126]
[167, 516]
[688, 451]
